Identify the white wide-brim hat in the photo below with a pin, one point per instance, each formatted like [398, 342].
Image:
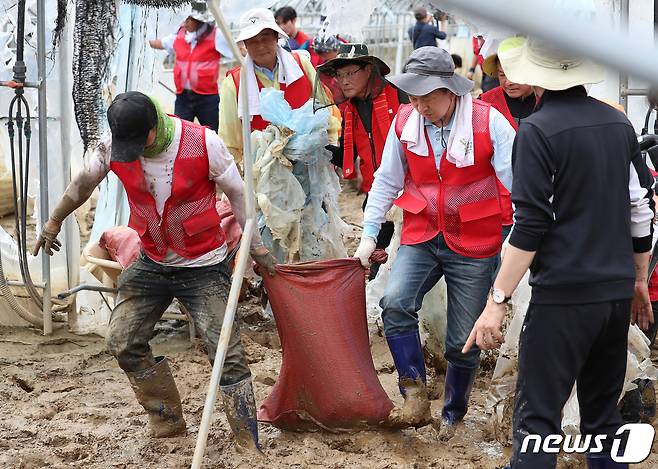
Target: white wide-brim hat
[539, 63]
[254, 21]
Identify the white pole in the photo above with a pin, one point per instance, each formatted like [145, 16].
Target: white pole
[65, 115]
[43, 161]
[243, 256]
[400, 50]
[608, 45]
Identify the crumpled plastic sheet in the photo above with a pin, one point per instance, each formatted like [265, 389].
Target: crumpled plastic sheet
[375, 288]
[500, 401]
[296, 186]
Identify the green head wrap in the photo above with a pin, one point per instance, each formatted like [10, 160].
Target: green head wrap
[164, 132]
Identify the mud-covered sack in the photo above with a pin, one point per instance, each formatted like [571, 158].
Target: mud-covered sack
[327, 376]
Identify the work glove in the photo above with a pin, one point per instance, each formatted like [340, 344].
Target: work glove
[48, 237]
[264, 259]
[365, 250]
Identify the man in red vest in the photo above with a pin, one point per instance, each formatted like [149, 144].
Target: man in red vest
[514, 101]
[268, 65]
[446, 151]
[171, 170]
[367, 115]
[198, 46]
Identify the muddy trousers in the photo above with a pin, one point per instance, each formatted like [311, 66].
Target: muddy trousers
[561, 345]
[147, 288]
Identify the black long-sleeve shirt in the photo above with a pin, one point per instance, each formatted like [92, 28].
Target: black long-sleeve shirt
[583, 199]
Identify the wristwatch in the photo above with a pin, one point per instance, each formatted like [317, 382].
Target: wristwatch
[498, 296]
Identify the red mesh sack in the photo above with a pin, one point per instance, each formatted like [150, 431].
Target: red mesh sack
[327, 376]
[122, 244]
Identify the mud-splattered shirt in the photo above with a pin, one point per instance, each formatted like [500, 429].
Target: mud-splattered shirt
[158, 173]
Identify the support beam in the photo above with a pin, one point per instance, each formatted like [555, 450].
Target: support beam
[620, 50]
[44, 209]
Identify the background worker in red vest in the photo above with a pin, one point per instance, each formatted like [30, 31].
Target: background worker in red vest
[286, 18]
[488, 82]
[370, 106]
[183, 252]
[447, 151]
[514, 101]
[268, 66]
[198, 46]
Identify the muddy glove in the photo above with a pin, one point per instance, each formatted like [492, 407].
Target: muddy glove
[264, 259]
[365, 250]
[48, 237]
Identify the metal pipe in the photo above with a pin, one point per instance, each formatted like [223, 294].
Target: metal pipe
[635, 92]
[655, 20]
[16, 283]
[245, 242]
[623, 77]
[43, 160]
[624, 51]
[71, 249]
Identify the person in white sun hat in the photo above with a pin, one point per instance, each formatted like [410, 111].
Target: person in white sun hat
[583, 225]
[268, 66]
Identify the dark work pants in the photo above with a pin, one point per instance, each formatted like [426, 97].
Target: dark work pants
[204, 107]
[561, 345]
[147, 288]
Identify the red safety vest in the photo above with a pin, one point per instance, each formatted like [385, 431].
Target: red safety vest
[368, 147]
[462, 203]
[199, 66]
[496, 97]
[296, 94]
[190, 224]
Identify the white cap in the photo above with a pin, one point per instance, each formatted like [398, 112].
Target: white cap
[256, 20]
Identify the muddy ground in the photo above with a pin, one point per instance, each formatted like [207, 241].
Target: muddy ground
[64, 402]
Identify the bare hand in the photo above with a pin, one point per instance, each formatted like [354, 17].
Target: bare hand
[469, 75]
[48, 238]
[487, 329]
[641, 312]
[264, 259]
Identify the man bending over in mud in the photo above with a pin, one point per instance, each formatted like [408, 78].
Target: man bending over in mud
[170, 169]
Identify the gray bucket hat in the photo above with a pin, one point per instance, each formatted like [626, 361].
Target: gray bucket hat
[427, 69]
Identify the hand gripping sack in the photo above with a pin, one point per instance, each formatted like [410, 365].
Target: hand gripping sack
[327, 376]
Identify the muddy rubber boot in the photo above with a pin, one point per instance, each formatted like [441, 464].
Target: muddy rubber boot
[240, 408]
[458, 387]
[156, 391]
[600, 461]
[410, 362]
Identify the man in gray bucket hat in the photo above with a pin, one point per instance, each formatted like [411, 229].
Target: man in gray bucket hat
[447, 152]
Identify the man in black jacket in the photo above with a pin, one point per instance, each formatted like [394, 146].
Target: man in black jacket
[583, 225]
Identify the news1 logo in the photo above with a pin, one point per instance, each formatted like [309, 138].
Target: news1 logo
[638, 438]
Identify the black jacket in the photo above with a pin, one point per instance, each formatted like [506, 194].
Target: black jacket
[583, 199]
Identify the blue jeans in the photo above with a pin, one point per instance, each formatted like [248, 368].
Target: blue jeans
[417, 268]
[205, 108]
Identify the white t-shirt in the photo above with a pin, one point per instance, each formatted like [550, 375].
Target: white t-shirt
[158, 172]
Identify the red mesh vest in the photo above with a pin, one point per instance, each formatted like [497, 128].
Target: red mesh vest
[296, 94]
[384, 108]
[190, 224]
[496, 97]
[199, 66]
[463, 203]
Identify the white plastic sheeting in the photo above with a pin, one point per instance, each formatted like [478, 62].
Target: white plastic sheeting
[296, 186]
[503, 384]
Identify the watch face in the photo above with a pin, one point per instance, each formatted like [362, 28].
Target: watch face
[498, 296]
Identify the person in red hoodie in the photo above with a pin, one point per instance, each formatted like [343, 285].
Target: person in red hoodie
[514, 101]
[370, 105]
